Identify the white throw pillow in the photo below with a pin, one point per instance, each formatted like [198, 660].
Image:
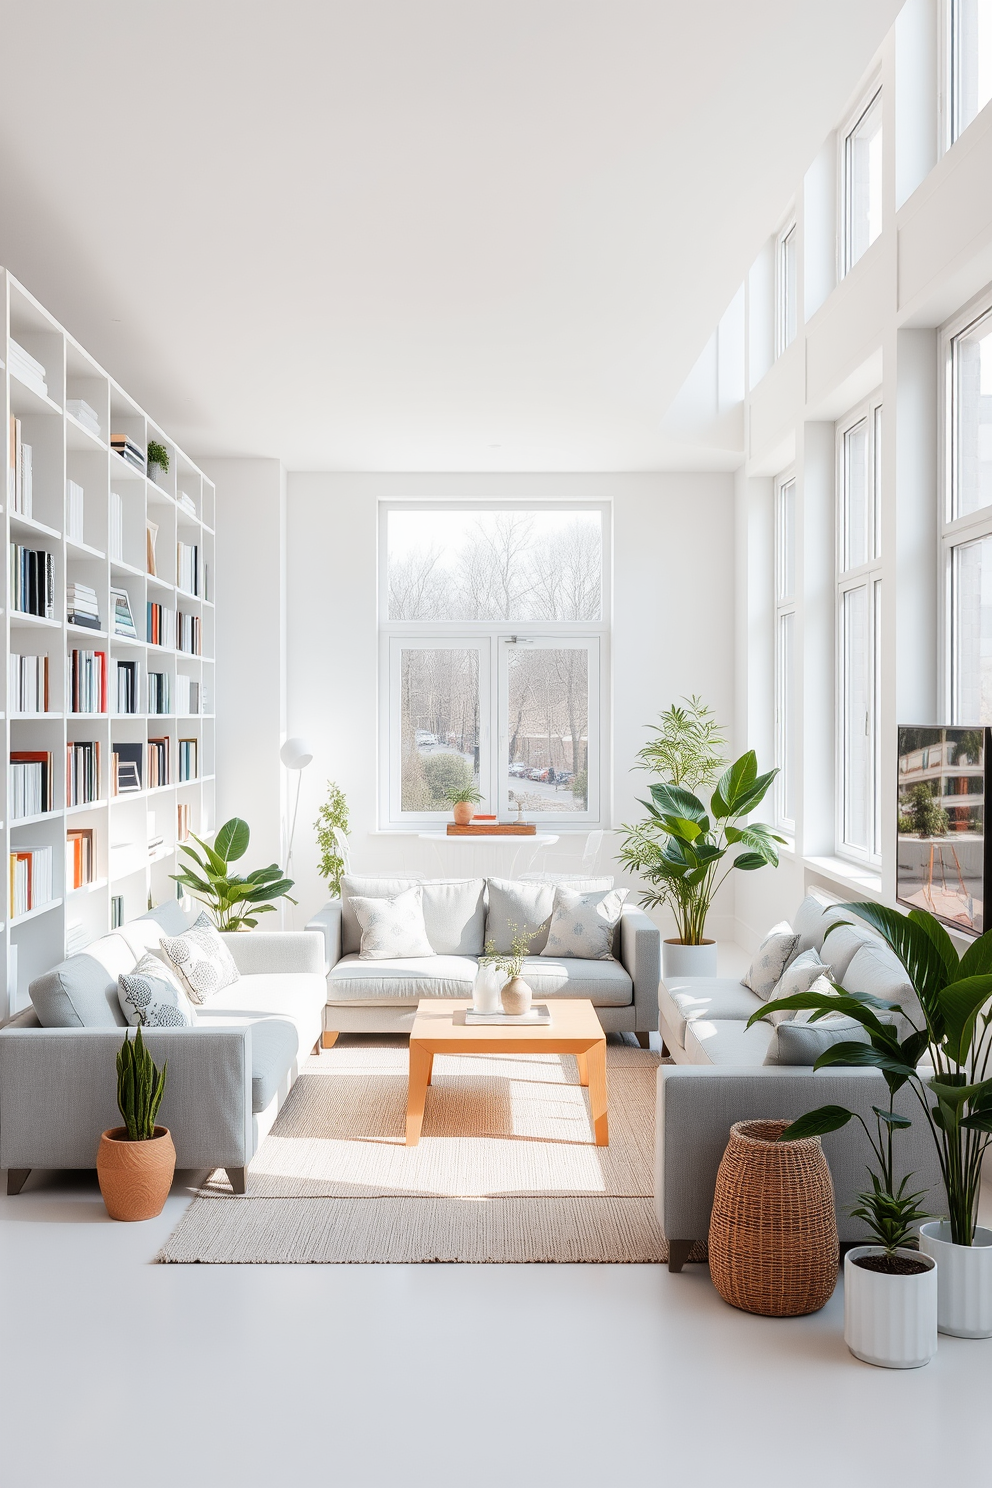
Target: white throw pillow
[772, 957]
[524, 906]
[582, 925]
[393, 927]
[802, 973]
[151, 996]
[201, 959]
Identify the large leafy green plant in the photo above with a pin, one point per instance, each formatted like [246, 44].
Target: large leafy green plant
[681, 849]
[954, 994]
[233, 900]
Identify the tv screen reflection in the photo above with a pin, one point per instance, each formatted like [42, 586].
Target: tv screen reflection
[940, 859]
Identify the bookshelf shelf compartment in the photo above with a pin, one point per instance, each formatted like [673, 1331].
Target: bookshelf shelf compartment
[32, 914]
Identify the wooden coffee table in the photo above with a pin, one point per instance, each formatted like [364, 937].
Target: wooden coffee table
[440, 1028]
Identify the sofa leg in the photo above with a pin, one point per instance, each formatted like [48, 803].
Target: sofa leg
[328, 1038]
[678, 1253]
[664, 1050]
[644, 1039]
[16, 1179]
[237, 1177]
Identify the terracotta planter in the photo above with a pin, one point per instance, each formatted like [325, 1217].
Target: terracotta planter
[463, 813]
[135, 1177]
[516, 997]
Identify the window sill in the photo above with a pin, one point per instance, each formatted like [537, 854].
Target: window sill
[847, 873]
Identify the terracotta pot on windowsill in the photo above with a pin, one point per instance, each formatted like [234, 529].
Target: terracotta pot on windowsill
[463, 813]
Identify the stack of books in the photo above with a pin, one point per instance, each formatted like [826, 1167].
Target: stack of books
[187, 759]
[19, 473]
[126, 686]
[81, 604]
[117, 526]
[187, 697]
[155, 846]
[158, 763]
[123, 620]
[158, 692]
[161, 626]
[129, 450]
[189, 634]
[127, 767]
[187, 503]
[27, 684]
[32, 581]
[32, 782]
[116, 911]
[183, 822]
[87, 682]
[26, 368]
[188, 567]
[84, 414]
[80, 859]
[74, 511]
[82, 776]
[30, 879]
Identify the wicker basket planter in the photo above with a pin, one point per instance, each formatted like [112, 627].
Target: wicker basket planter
[773, 1230]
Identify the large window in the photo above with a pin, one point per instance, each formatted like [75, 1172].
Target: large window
[786, 289]
[785, 651]
[862, 182]
[859, 603]
[494, 634]
[971, 61]
[967, 525]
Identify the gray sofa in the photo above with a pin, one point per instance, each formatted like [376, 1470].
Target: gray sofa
[228, 1075]
[382, 996]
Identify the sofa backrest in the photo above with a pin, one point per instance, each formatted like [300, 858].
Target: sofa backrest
[454, 911]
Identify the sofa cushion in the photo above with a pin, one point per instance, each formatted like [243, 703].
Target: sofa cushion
[811, 919]
[840, 946]
[689, 999]
[770, 959]
[583, 924]
[392, 927]
[81, 992]
[799, 976]
[400, 980]
[605, 983]
[299, 997]
[877, 970]
[802, 1043]
[275, 1044]
[454, 911]
[727, 1041]
[148, 931]
[151, 995]
[525, 906]
[200, 959]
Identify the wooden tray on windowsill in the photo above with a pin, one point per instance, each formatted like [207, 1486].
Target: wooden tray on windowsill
[493, 829]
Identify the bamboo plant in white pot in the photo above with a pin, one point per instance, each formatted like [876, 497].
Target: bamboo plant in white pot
[680, 850]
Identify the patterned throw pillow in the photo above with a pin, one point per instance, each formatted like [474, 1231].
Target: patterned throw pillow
[801, 974]
[151, 996]
[772, 957]
[201, 958]
[582, 925]
[392, 927]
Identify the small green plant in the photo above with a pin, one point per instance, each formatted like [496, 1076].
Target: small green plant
[928, 817]
[158, 455]
[140, 1088]
[332, 826]
[459, 793]
[688, 748]
[510, 963]
[233, 900]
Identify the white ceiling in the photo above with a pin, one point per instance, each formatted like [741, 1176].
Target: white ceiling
[411, 234]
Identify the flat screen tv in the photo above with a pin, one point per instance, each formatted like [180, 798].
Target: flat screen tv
[941, 847]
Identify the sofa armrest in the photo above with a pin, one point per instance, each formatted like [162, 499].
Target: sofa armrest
[640, 955]
[58, 1092]
[328, 922]
[257, 952]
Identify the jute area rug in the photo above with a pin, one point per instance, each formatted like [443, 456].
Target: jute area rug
[506, 1170]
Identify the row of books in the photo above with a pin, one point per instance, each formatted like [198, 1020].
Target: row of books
[30, 879]
[130, 450]
[126, 686]
[161, 626]
[19, 471]
[82, 606]
[26, 368]
[32, 581]
[74, 511]
[80, 857]
[190, 634]
[187, 696]
[188, 753]
[188, 567]
[32, 782]
[158, 762]
[27, 683]
[82, 775]
[87, 682]
[158, 692]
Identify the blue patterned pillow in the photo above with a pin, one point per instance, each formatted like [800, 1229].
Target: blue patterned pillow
[582, 925]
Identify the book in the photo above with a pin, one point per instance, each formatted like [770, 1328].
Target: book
[30, 878]
[183, 822]
[126, 686]
[158, 762]
[116, 911]
[32, 581]
[31, 782]
[84, 414]
[80, 858]
[188, 766]
[82, 782]
[123, 620]
[27, 683]
[74, 511]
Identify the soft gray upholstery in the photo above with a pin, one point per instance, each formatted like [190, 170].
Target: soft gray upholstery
[81, 992]
[605, 982]
[401, 980]
[275, 1045]
[454, 911]
[691, 998]
[298, 996]
[727, 1041]
[525, 906]
[803, 1043]
[261, 952]
[327, 923]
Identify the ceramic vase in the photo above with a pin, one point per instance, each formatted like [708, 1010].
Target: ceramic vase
[486, 990]
[964, 1280]
[135, 1177]
[678, 960]
[890, 1321]
[516, 997]
[463, 813]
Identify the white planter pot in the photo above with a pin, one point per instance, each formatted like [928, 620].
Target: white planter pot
[890, 1320]
[964, 1280]
[678, 960]
[154, 472]
[486, 990]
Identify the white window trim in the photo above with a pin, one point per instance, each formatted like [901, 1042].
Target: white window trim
[950, 133]
[866, 98]
[493, 638]
[784, 605]
[781, 288]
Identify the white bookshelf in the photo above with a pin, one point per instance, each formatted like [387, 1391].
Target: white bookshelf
[124, 825]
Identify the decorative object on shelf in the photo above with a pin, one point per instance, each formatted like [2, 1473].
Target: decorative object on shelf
[295, 754]
[680, 848]
[120, 604]
[151, 537]
[515, 993]
[492, 829]
[773, 1232]
[129, 450]
[332, 827]
[486, 988]
[135, 1162]
[462, 798]
[158, 459]
[950, 1021]
[233, 900]
[116, 911]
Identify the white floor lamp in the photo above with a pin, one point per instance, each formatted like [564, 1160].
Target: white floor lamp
[295, 755]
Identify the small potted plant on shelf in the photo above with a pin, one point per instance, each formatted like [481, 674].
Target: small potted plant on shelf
[461, 799]
[233, 900]
[135, 1163]
[331, 827]
[514, 993]
[158, 459]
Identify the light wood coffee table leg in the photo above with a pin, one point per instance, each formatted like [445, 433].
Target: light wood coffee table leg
[596, 1063]
[420, 1073]
[583, 1064]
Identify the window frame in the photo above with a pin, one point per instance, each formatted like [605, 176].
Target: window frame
[493, 639]
[782, 338]
[951, 128]
[786, 605]
[867, 99]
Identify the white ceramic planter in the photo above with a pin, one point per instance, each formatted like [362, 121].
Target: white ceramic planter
[678, 960]
[890, 1320]
[964, 1280]
[486, 989]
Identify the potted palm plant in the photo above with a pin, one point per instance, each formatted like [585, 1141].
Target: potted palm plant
[135, 1162]
[234, 900]
[682, 848]
[955, 1100]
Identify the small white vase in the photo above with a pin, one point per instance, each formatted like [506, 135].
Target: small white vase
[678, 960]
[890, 1320]
[516, 997]
[964, 1280]
[486, 989]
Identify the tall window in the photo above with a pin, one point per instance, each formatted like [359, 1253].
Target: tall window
[967, 526]
[494, 630]
[859, 603]
[785, 651]
[971, 61]
[862, 178]
[787, 290]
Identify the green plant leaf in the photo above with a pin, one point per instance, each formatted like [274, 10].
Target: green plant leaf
[676, 801]
[265, 875]
[942, 941]
[816, 1123]
[977, 1121]
[863, 1054]
[214, 861]
[232, 840]
[749, 799]
[960, 1004]
[748, 861]
[977, 959]
[892, 1118]
[735, 781]
[951, 1094]
[917, 952]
